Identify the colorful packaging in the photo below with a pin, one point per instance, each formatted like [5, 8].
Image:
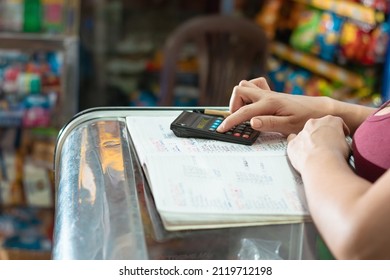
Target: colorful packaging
[296, 82]
[304, 35]
[380, 5]
[377, 46]
[53, 16]
[37, 111]
[278, 73]
[318, 86]
[268, 17]
[327, 38]
[11, 15]
[32, 16]
[353, 42]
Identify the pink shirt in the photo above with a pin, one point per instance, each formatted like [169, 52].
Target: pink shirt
[371, 146]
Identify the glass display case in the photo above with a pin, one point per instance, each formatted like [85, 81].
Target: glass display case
[105, 210]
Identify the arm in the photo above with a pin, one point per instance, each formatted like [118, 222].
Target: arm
[352, 114]
[350, 213]
[285, 113]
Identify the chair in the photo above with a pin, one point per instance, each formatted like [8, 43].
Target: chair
[229, 49]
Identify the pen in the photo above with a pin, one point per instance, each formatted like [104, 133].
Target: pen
[219, 113]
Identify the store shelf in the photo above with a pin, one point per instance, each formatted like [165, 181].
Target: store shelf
[68, 47]
[32, 41]
[348, 9]
[317, 65]
[39, 94]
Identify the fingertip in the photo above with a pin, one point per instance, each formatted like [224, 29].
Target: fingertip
[242, 82]
[261, 82]
[256, 123]
[291, 137]
[221, 127]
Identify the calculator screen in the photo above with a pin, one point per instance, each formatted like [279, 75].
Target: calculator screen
[203, 123]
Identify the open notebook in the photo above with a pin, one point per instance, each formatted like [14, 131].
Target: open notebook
[198, 183]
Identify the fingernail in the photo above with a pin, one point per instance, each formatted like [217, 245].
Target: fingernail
[256, 123]
[221, 127]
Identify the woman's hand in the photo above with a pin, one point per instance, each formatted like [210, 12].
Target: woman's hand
[319, 138]
[272, 111]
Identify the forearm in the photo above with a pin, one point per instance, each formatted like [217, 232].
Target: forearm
[352, 114]
[333, 191]
[347, 209]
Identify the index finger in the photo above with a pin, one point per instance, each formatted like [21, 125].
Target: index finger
[241, 115]
[243, 95]
[261, 83]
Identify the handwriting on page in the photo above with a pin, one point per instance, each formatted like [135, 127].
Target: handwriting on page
[200, 183]
[214, 188]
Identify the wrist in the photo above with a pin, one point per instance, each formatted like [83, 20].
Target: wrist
[352, 114]
[320, 159]
[331, 106]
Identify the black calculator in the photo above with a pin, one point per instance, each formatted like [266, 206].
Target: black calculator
[198, 125]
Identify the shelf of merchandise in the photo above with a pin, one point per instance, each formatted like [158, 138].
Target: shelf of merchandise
[348, 9]
[25, 164]
[318, 66]
[68, 46]
[368, 18]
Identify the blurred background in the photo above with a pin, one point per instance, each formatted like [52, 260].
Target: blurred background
[60, 57]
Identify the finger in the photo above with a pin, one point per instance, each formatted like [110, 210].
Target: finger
[291, 137]
[330, 120]
[261, 83]
[268, 123]
[242, 96]
[245, 83]
[243, 114]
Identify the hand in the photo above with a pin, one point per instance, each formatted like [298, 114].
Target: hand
[318, 138]
[271, 111]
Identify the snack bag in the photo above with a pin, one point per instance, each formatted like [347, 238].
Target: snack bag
[268, 16]
[353, 42]
[278, 72]
[304, 35]
[296, 82]
[318, 86]
[328, 34]
[377, 45]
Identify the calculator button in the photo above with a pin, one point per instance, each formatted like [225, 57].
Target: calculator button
[237, 134]
[246, 136]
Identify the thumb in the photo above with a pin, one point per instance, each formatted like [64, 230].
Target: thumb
[272, 124]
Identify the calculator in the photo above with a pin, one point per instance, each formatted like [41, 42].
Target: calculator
[198, 125]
